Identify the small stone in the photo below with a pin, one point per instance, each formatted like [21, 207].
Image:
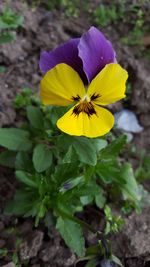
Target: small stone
[31, 246]
[127, 121]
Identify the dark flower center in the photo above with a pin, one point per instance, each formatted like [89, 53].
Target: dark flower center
[86, 107]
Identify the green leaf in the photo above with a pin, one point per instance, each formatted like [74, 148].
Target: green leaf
[7, 158]
[99, 144]
[108, 213]
[24, 203]
[26, 179]
[92, 263]
[7, 37]
[56, 113]
[2, 69]
[100, 199]
[113, 149]
[42, 157]
[9, 20]
[23, 162]
[15, 258]
[107, 228]
[116, 260]
[35, 117]
[85, 150]
[89, 189]
[109, 172]
[15, 139]
[72, 234]
[85, 200]
[63, 142]
[64, 171]
[24, 98]
[41, 213]
[3, 252]
[130, 189]
[70, 156]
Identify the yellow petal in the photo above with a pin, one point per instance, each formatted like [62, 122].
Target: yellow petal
[109, 85]
[60, 85]
[91, 126]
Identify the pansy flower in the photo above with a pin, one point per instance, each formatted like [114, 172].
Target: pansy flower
[87, 55]
[62, 86]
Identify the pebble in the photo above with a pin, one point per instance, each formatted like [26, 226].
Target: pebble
[127, 121]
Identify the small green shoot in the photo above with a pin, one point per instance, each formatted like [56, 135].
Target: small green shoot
[9, 22]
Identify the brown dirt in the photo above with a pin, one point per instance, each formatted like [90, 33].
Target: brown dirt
[43, 30]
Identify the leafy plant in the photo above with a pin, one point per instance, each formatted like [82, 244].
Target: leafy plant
[114, 223]
[70, 8]
[132, 15]
[105, 15]
[60, 175]
[9, 21]
[138, 27]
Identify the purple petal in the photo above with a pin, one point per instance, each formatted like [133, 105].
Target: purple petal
[66, 53]
[95, 51]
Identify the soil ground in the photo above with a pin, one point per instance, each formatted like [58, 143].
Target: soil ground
[43, 30]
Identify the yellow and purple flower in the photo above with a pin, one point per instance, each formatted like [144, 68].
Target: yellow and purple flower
[83, 72]
[61, 86]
